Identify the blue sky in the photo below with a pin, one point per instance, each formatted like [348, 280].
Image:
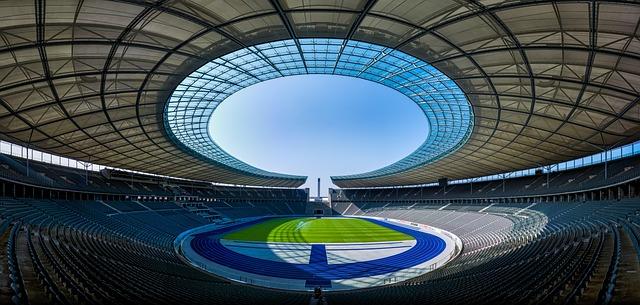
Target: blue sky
[318, 126]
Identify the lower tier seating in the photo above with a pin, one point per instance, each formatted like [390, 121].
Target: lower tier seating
[82, 252]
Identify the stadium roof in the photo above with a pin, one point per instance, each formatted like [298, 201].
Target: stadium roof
[548, 81]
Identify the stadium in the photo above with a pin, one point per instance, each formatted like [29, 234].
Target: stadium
[525, 190]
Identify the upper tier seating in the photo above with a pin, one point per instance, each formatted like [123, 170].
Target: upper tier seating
[117, 182]
[574, 180]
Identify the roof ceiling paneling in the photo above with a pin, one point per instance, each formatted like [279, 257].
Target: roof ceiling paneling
[548, 81]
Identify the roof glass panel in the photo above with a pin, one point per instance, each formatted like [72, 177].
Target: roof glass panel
[189, 109]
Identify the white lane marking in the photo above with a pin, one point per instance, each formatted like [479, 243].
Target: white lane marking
[530, 206]
[440, 209]
[483, 209]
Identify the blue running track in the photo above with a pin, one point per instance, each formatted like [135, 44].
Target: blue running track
[318, 272]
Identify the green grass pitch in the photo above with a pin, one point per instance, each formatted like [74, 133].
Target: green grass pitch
[312, 230]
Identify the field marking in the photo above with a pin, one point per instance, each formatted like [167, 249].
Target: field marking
[300, 225]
